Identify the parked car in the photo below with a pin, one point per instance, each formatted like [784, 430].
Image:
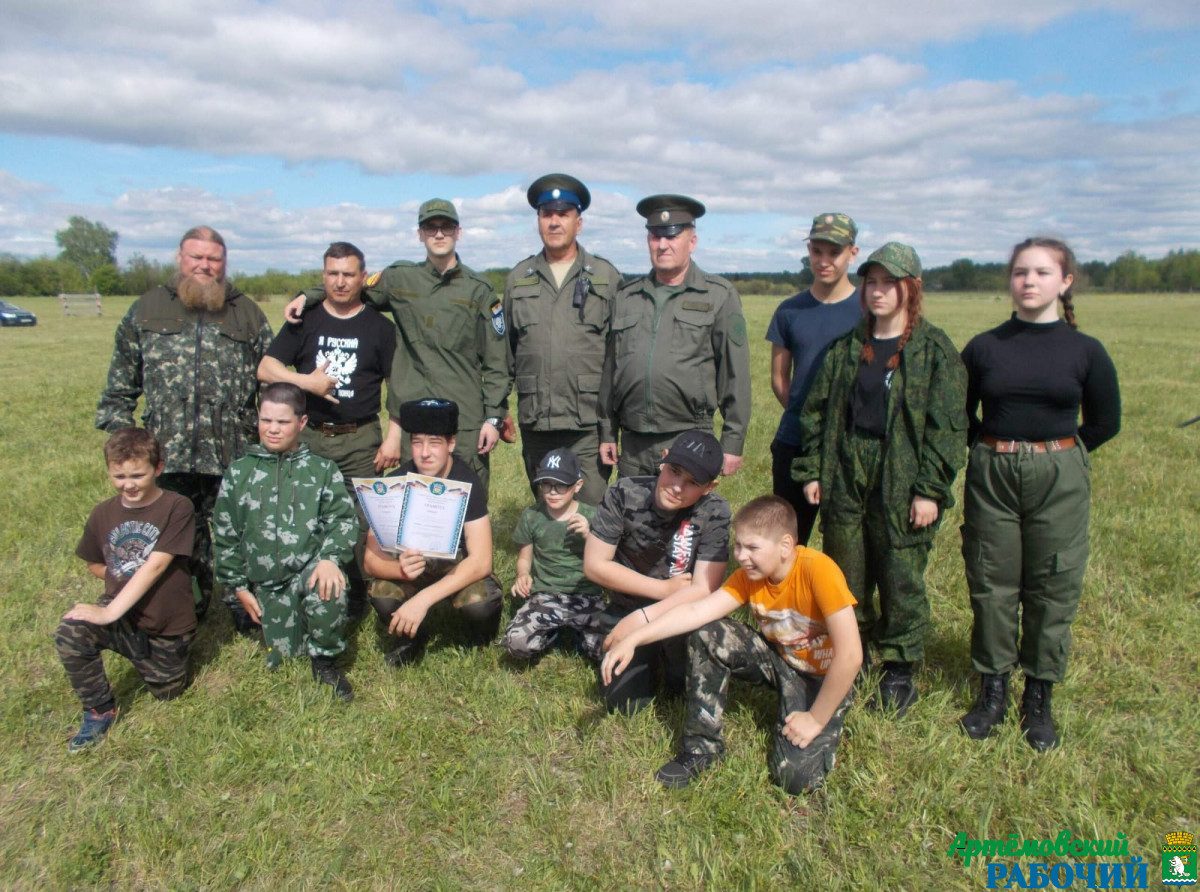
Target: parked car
[11, 314]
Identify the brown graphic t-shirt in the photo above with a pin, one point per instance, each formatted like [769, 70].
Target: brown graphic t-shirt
[123, 538]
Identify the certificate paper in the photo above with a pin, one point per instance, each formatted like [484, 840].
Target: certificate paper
[431, 518]
[415, 512]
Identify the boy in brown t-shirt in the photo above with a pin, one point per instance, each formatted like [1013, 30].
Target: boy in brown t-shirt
[139, 543]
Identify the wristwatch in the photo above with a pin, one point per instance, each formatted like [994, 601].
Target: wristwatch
[493, 420]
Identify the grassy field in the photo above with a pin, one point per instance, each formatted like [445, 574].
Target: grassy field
[463, 773]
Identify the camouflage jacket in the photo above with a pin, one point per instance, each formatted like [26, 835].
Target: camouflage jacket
[557, 339]
[451, 342]
[668, 367]
[926, 442]
[198, 371]
[275, 513]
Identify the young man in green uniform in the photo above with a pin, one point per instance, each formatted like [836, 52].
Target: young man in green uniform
[677, 351]
[558, 305]
[452, 335]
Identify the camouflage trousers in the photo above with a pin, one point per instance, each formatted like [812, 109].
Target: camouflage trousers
[201, 491]
[537, 624]
[479, 604]
[859, 545]
[729, 649]
[295, 621]
[161, 660]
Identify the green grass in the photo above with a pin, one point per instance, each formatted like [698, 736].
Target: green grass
[462, 773]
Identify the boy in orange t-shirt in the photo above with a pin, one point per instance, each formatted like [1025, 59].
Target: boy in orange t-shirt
[808, 649]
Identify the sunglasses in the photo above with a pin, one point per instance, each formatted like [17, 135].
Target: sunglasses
[432, 229]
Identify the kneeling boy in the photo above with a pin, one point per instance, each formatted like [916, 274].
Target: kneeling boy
[657, 542]
[283, 528]
[550, 537]
[139, 542]
[808, 650]
[407, 585]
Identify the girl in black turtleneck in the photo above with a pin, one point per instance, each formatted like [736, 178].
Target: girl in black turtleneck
[1025, 535]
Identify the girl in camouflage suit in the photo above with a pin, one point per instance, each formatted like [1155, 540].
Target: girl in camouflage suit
[884, 429]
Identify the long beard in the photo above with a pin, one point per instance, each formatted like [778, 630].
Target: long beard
[202, 294]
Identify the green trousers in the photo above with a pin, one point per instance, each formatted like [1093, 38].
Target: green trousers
[859, 544]
[1025, 545]
[641, 454]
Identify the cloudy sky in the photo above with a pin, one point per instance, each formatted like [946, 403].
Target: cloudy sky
[958, 127]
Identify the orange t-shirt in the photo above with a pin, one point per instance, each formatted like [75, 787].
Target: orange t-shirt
[813, 589]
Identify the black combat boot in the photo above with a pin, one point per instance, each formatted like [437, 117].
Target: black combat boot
[1035, 715]
[989, 708]
[326, 671]
[896, 689]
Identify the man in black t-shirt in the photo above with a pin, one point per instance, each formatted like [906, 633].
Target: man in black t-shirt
[407, 585]
[342, 352]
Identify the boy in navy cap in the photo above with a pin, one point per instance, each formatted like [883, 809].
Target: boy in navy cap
[656, 542]
[550, 536]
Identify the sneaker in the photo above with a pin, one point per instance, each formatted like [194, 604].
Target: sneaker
[1035, 715]
[681, 770]
[897, 691]
[325, 672]
[989, 708]
[91, 732]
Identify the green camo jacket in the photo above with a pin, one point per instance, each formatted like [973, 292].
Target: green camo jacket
[198, 371]
[926, 442]
[276, 512]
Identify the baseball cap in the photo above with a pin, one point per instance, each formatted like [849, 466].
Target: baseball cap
[437, 207]
[560, 466]
[899, 260]
[836, 228]
[699, 453]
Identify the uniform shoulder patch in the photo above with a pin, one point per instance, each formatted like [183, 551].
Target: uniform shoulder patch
[737, 330]
[373, 279]
[498, 317]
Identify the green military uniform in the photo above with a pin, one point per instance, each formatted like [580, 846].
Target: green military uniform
[451, 345]
[277, 516]
[676, 355]
[557, 334]
[868, 483]
[198, 372]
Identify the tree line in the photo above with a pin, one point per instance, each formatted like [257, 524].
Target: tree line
[87, 261]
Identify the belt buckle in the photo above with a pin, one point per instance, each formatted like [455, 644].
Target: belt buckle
[326, 429]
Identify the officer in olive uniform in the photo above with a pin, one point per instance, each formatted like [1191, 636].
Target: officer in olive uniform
[558, 305]
[677, 351]
[452, 335]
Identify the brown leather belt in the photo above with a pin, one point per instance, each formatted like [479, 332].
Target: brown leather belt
[328, 429]
[1007, 446]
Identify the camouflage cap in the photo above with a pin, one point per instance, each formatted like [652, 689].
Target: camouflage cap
[668, 214]
[558, 192]
[437, 207]
[836, 228]
[699, 453]
[899, 260]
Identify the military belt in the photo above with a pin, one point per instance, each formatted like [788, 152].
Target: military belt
[1011, 446]
[329, 429]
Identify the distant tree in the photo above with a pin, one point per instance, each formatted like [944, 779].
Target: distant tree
[1180, 271]
[141, 275]
[88, 245]
[962, 275]
[806, 277]
[106, 280]
[1131, 272]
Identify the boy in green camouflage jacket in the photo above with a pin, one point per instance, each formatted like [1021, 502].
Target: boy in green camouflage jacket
[283, 528]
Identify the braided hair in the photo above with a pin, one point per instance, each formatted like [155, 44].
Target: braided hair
[1066, 262]
[911, 292]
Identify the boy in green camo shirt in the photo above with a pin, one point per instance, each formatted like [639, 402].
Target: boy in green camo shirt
[283, 528]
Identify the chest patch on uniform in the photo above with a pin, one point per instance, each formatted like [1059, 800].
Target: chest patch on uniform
[373, 279]
[498, 318]
[697, 305]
